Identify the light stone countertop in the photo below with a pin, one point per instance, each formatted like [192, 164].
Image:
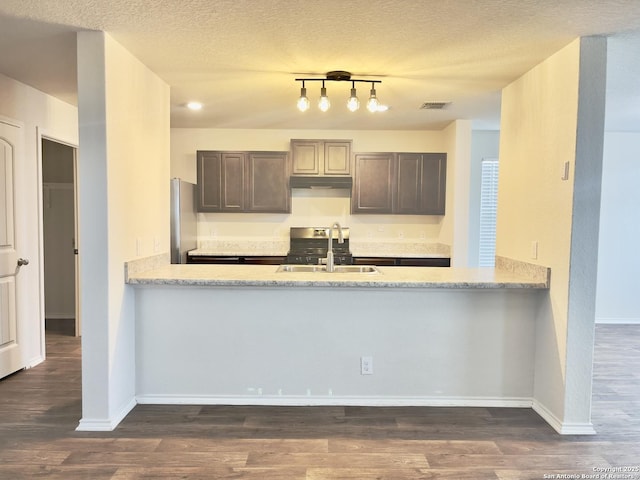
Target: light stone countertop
[389, 277]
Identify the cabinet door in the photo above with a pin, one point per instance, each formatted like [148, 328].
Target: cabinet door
[378, 261]
[321, 157]
[209, 166]
[233, 181]
[265, 260]
[424, 262]
[373, 183]
[409, 183]
[305, 157]
[434, 181]
[268, 186]
[337, 157]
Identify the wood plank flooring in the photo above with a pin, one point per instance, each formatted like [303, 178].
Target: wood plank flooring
[40, 409]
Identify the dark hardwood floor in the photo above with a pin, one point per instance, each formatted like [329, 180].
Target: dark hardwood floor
[40, 409]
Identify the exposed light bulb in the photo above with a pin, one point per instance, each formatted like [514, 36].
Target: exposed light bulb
[324, 103]
[353, 103]
[372, 103]
[303, 101]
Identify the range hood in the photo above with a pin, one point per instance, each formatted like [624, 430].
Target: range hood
[296, 181]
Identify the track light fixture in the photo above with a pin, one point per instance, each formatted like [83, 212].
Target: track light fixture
[353, 103]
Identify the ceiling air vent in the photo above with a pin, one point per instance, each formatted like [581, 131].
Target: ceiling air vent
[434, 105]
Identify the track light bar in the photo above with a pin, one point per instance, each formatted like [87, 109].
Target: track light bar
[353, 103]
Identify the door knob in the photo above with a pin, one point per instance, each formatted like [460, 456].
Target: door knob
[22, 262]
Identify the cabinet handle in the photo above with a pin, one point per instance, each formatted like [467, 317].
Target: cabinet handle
[22, 262]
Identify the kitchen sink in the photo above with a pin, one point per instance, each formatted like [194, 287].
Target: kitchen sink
[356, 269]
[302, 268]
[323, 269]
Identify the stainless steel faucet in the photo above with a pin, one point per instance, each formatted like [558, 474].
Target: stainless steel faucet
[330, 264]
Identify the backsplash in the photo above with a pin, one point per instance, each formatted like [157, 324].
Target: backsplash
[316, 208]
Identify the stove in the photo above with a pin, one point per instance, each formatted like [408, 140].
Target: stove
[308, 246]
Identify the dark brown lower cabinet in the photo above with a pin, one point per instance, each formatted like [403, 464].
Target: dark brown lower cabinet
[264, 260]
[236, 260]
[403, 261]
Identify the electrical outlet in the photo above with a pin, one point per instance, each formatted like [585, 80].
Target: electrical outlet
[366, 365]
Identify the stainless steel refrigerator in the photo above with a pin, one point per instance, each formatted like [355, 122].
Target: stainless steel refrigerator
[183, 220]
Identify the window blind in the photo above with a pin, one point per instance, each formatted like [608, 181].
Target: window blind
[488, 212]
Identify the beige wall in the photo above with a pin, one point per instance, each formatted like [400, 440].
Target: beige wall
[124, 212]
[540, 126]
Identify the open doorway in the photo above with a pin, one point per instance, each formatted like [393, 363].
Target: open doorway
[59, 237]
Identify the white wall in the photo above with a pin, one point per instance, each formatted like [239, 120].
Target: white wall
[124, 212]
[429, 346]
[484, 145]
[39, 114]
[315, 207]
[553, 114]
[617, 299]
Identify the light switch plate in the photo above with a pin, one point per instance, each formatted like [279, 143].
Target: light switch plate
[565, 171]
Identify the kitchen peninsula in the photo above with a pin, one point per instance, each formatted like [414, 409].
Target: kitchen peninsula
[248, 334]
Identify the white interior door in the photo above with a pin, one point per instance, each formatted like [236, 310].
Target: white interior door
[11, 357]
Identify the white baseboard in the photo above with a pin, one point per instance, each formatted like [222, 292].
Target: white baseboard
[35, 361]
[563, 428]
[300, 400]
[105, 424]
[618, 320]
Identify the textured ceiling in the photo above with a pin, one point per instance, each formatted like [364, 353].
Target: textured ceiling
[240, 57]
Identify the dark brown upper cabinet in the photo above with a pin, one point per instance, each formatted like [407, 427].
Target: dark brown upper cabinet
[373, 183]
[221, 181]
[399, 183]
[268, 185]
[321, 157]
[421, 183]
[243, 182]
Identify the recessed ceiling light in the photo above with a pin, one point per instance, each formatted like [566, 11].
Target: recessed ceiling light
[194, 106]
